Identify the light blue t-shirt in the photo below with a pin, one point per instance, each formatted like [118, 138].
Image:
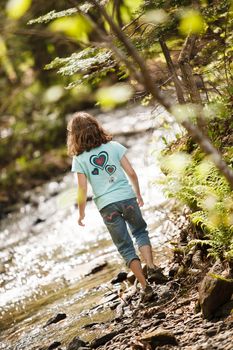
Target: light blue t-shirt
[102, 167]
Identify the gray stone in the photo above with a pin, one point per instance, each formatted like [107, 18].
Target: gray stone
[106, 338]
[122, 276]
[76, 344]
[55, 319]
[173, 270]
[211, 331]
[161, 315]
[54, 345]
[97, 268]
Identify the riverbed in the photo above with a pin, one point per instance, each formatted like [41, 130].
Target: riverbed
[48, 262]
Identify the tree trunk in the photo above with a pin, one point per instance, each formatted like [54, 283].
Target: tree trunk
[172, 70]
[187, 76]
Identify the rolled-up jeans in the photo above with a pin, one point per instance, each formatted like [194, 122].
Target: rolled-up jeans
[116, 216]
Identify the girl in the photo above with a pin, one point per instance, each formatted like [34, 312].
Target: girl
[102, 162]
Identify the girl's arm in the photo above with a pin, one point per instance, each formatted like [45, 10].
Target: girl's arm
[133, 178]
[82, 197]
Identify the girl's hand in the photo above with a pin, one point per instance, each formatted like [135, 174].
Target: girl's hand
[80, 219]
[140, 201]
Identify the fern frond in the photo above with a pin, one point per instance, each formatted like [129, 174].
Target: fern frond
[91, 63]
[83, 8]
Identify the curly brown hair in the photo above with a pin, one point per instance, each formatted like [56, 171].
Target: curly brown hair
[85, 133]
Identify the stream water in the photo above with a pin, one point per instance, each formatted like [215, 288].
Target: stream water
[47, 259]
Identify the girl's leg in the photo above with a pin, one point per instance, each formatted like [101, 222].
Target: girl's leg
[116, 226]
[136, 268]
[146, 252]
[138, 227]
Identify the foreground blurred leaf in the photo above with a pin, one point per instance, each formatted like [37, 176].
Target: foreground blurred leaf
[77, 27]
[191, 22]
[177, 162]
[17, 8]
[53, 94]
[109, 97]
[188, 111]
[156, 16]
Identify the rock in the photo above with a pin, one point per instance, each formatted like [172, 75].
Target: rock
[54, 345]
[148, 313]
[55, 319]
[225, 310]
[113, 305]
[122, 276]
[161, 315]
[105, 338]
[197, 259]
[97, 268]
[157, 276]
[215, 290]
[208, 325]
[183, 235]
[159, 337]
[108, 298]
[76, 344]
[194, 272]
[165, 293]
[173, 270]
[131, 277]
[211, 331]
[128, 321]
[90, 325]
[38, 221]
[2, 268]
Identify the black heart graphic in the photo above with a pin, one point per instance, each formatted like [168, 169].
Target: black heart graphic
[95, 171]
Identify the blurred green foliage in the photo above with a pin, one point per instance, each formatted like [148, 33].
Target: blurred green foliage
[33, 102]
[198, 184]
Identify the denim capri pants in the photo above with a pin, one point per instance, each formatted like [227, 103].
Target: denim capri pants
[116, 216]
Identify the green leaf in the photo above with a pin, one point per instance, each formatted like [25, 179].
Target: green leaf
[109, 97]
[76, 27]
[191, 22]
[17, 8]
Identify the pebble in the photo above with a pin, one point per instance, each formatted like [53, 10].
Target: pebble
[76, 344]
[161, 315]
[211, 331]
[55, 319]
[54, 345]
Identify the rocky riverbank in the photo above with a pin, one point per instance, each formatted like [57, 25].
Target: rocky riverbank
[184, 314]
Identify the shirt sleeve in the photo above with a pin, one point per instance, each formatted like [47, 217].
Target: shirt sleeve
[121, 150]
[77, 166]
